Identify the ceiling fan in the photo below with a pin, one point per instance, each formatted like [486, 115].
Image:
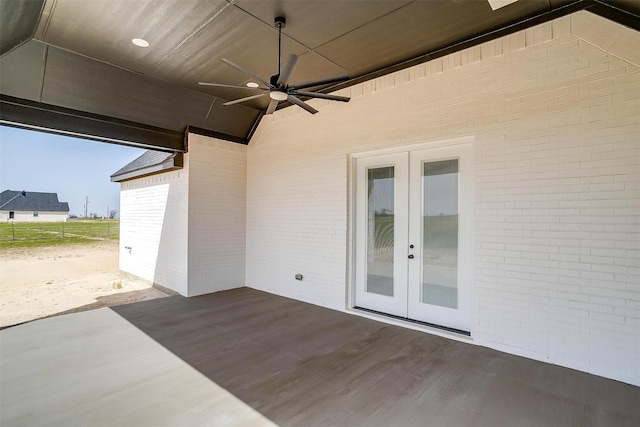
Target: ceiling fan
[278, 88]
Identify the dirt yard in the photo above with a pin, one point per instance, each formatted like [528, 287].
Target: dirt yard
[40, 282]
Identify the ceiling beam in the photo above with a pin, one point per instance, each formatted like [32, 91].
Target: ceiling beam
[22, 113]
[622, 17]
[217, 135]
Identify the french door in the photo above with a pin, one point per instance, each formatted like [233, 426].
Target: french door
[413, 235]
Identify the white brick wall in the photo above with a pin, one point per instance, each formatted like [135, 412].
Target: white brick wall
[217, 214]
[557, 232]
[186, 228]
[153, 212]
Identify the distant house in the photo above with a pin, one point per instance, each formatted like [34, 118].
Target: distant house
[32, 206]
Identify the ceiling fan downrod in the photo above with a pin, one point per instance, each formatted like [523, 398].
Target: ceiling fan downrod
[280, 22]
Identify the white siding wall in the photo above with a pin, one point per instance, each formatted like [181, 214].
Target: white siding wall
[557, 154]
[27, 216]
[153, 213]
[217, 214]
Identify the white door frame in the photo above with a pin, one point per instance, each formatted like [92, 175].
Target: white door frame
[351, 273]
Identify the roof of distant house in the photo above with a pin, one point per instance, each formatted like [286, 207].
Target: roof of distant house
[150, 162]
[31, 201]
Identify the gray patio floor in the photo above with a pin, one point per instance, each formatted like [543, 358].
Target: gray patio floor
[248, 358]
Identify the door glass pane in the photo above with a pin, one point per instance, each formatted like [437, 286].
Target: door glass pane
[380, 217]
[440, 233]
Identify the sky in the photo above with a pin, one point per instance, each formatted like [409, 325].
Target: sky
[72, 167]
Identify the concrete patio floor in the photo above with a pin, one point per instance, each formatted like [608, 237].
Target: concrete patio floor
[248, 358]
[96, 369]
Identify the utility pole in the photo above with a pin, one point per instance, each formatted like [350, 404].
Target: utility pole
[86, 207]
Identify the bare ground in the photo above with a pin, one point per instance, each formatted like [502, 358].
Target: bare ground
[40, 282]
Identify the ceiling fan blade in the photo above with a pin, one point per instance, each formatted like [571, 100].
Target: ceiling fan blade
[321, 96]
[247, 72]
[230, 86]
[301, 104]
[290, 65]
[272, 106]
[248, 98]
[320, 82]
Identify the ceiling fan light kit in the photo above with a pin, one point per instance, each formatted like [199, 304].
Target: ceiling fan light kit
[277, 95]
[278, 87]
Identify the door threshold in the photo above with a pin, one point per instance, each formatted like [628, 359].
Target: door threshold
[416, 322]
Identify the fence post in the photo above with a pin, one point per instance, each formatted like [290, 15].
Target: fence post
[13, 232]
[63, 229]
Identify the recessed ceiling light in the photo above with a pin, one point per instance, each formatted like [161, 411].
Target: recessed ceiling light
[140, 42]
[252, 84]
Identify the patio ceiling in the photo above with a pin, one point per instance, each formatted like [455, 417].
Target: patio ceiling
[70, 66]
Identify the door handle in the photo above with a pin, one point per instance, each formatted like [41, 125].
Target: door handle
[411, 256]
